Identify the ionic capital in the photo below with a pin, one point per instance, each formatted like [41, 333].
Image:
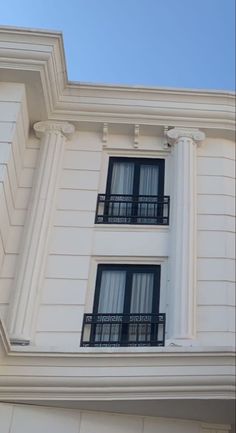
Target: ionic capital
[175, 134]
[64, 128]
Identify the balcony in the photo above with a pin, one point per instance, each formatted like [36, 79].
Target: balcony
[120, 330]
[129, 209]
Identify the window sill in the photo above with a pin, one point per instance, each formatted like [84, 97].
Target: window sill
[131, 227]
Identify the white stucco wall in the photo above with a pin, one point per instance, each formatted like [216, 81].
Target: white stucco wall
[77, 246]
[25, 419]
[216, 242]
[15, 181]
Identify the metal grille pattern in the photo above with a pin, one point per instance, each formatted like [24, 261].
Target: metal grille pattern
[129, 209]
[115, 330]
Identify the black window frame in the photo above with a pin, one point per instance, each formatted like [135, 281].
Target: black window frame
[125, 329]
[137, 163]
[134, 207]
[129, 269]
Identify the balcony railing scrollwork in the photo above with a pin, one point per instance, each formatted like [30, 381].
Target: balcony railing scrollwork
[129, 209]
[115, 330]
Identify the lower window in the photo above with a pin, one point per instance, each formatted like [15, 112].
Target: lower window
[126, 308]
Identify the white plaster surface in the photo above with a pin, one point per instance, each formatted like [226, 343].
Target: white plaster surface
[28, 419]
[75, 240]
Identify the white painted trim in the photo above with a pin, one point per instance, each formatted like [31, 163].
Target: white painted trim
[182, 308]
[33, 373]
[44, 53]
[37, 230]
[123, 260]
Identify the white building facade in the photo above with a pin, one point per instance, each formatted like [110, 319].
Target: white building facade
[116, 251]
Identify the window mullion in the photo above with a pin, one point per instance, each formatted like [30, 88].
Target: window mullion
[127, 301]
[135, 190]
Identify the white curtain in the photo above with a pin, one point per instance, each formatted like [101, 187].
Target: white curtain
[121, 183]
[122, 178]
[141, 302]
[111, 301]
[148, 185]
[142, 293]
[112, 290]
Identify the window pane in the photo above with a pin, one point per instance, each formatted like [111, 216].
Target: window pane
[142, 293]
[148, 186]
[120, 207]
[111, 298]
[148, 182]
[111, 301]
[122, 178]
[141, 302]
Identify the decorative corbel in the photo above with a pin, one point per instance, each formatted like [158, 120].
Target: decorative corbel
[166, 144]
[136, 135]
[105, 133]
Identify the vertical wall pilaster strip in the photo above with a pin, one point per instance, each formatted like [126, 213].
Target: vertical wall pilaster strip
[183, 234]
[37, 230]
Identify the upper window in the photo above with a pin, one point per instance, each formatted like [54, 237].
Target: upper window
[134, 193]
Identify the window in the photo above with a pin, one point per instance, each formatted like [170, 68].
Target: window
[126, 307]
[134, 193]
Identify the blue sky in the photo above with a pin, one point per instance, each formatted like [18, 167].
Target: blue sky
[163, 43]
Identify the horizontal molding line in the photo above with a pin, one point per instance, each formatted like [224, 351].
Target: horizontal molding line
[216, 175]
[66, 188]
[152, 118]
[49, 331]
[13, 204]
[72, 149]
[217, 214]
[68, 227]
[73, 226]
[215, 157]
[2, 242]
[64, 169]
[6, 278]
[19, 186]
[214, 195]
[216, 257]
[227, 331]
[74, 304]
[215, 305]
[98, 151]
[216, 281]
[76, 210]
[70, 255]
[63, 278]
[80, 169]
[134, 107]
[7, 208]
[216, 230]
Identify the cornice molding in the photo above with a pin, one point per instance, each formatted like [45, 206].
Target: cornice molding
[30, 373]
[43, 52]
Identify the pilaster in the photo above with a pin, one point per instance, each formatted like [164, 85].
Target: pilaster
[37, 230]
[182, 312]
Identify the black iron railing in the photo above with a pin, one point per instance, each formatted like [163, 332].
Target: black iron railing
[115, 330]
[129, 209]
